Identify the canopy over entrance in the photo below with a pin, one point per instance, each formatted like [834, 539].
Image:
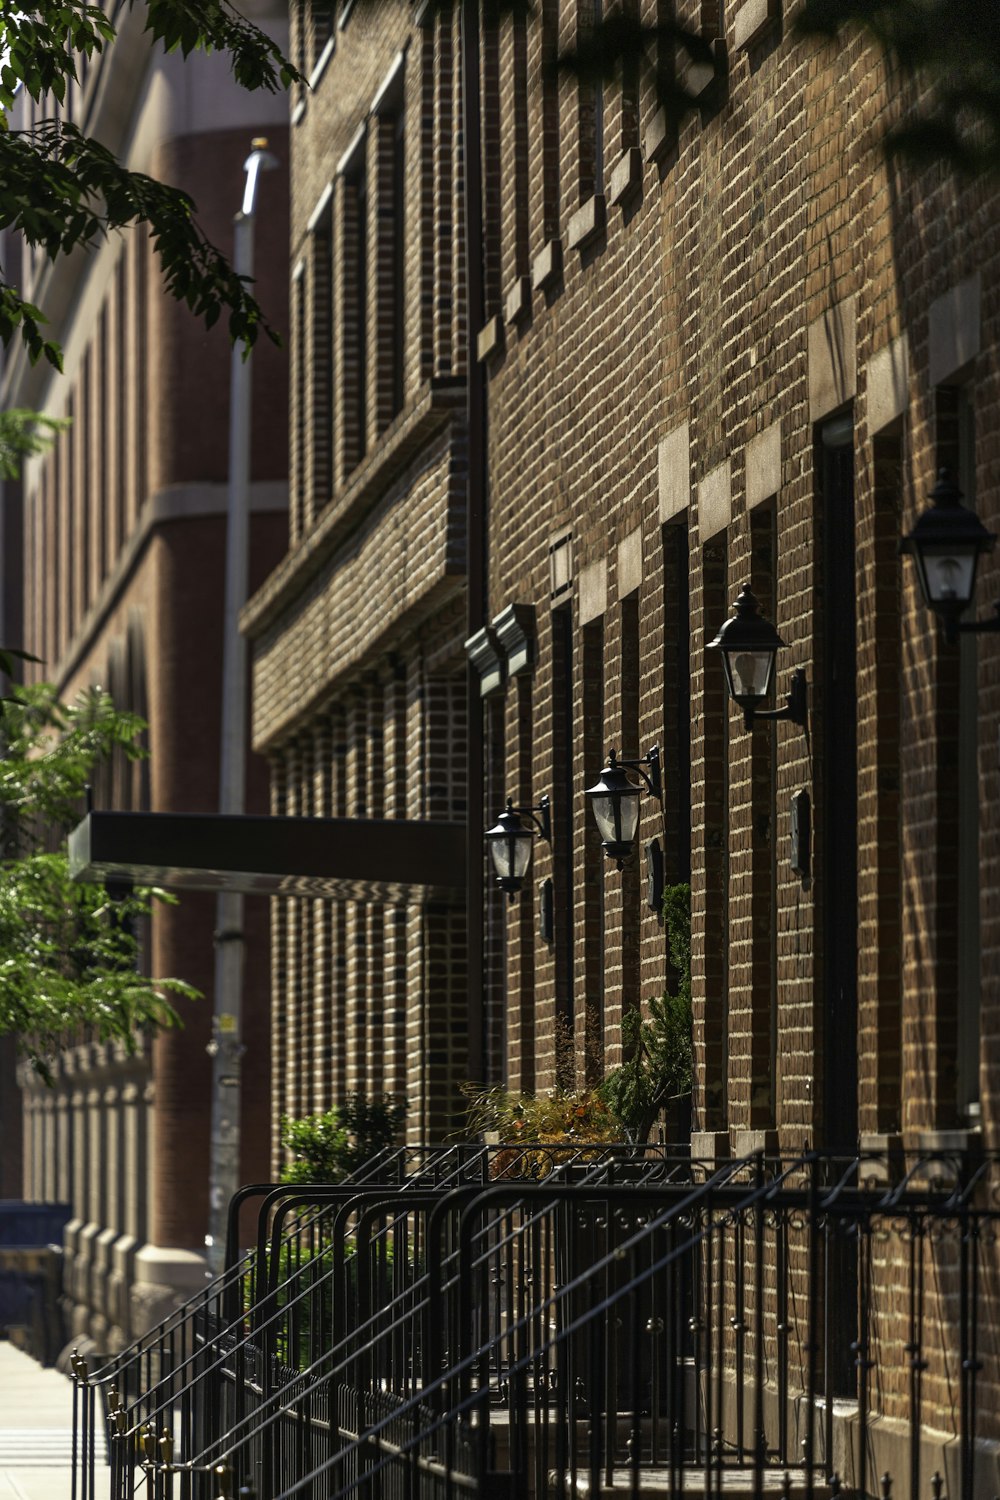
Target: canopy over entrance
[356, 859]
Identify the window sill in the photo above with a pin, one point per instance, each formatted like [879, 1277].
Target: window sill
[546, 268]
[517, 304]
[709, 1146]
[883, 1158]
[626, 179]
[659, 138]
[320, 66]
[753, 19]
[750, 1142]
[952, 1155]
[707, 82]
[589, 221]
[489, 341]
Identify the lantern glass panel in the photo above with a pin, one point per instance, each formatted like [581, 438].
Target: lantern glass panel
[629, 815]
[500, 853]
[948, 574]
[521, 854]
[604, 812]
[617, 816]
[750, 673]
[511, 854]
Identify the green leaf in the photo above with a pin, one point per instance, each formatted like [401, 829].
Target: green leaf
[68, 954]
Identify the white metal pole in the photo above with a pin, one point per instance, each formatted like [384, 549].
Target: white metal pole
[226, 1045]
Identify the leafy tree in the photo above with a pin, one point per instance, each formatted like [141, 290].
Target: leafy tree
[23, 433]
[329, 1147]
[68, 952]
[658, 1064]
[62, 189]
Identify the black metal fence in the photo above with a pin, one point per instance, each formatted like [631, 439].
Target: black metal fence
[635, 1323]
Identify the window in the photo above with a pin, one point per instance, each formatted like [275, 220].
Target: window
[389, 248]
[956, 441]
[714, 856]
[550, 119]
[591, 104]
[564, 801]
[764, 851]
[591, 895]
[316, 381]
[352, 305]
[298, 397]
[837, 842]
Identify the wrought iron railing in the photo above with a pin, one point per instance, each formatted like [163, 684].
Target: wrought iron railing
[170, 1391]
[169, 1356]
[636, 1323]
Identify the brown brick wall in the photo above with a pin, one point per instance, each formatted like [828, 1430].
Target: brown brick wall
[696, 303]
[742, 295]
[359, 677]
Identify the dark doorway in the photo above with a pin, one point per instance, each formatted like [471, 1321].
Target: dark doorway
[839, 874]
[839, 758]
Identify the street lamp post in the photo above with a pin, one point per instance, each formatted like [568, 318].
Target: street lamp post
[226, 1046]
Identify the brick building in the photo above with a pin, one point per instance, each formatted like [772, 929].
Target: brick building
[737, 354]
[123, 531]
[359, 679]
[724, 357]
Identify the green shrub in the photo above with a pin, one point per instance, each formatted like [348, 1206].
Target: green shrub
[534, 1126]
[331, 1146]
[658, 1062]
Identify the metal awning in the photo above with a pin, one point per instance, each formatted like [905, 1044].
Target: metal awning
[357, 859]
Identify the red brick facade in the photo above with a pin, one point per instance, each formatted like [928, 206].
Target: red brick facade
[124, 547]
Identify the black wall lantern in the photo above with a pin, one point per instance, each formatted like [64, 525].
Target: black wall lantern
[615, 800]
[946, 544]
[749, 645]
[510, 843]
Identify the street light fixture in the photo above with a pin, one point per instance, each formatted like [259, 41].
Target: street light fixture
[227, 1019]
[749, 645]
[946, 544]
[510, 843]
[615, 800]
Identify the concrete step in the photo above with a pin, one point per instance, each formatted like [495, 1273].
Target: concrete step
[44, 1447]
[732, 1483]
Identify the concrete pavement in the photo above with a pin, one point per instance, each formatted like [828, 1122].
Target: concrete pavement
[36, 1429]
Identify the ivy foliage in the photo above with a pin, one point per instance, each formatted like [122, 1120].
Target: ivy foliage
[658, 1064]
[69, 957]
[329, 1147]
[62, 189]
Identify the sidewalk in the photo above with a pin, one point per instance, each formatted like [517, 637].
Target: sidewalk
[36, 1429]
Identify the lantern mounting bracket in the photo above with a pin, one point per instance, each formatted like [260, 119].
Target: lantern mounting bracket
[973, 627]
[541, 816]
[796, 705]
[653, 778]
